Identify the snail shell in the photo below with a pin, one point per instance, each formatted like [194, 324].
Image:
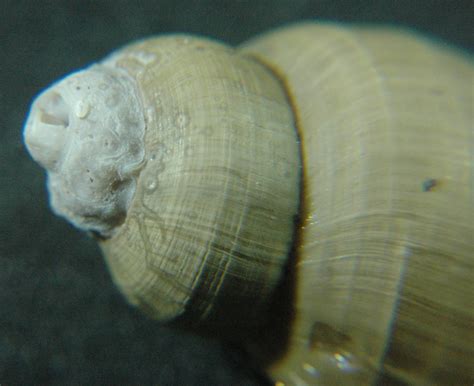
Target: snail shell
[183, 156]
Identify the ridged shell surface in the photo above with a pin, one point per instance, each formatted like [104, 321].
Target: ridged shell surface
[384, 289]
[212, 219]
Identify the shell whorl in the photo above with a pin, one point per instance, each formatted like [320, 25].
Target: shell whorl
[385, 259]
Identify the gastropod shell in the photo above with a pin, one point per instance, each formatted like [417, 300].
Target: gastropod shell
[308, 194]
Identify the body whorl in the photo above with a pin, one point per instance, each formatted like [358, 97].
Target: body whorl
[384, 266]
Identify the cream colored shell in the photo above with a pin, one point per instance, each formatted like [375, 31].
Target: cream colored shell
[377, 287]
[385, 263]
[215, 204]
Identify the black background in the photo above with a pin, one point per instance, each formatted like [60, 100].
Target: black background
[61, 319]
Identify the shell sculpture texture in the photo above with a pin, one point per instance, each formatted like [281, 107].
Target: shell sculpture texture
[308, 194]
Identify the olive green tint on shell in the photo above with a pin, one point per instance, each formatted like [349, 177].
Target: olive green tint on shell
[384, 267]
[212, 219]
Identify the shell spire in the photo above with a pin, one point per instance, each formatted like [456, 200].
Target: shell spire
[87, 131]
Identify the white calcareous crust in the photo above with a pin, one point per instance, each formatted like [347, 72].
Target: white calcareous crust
[87, 131]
